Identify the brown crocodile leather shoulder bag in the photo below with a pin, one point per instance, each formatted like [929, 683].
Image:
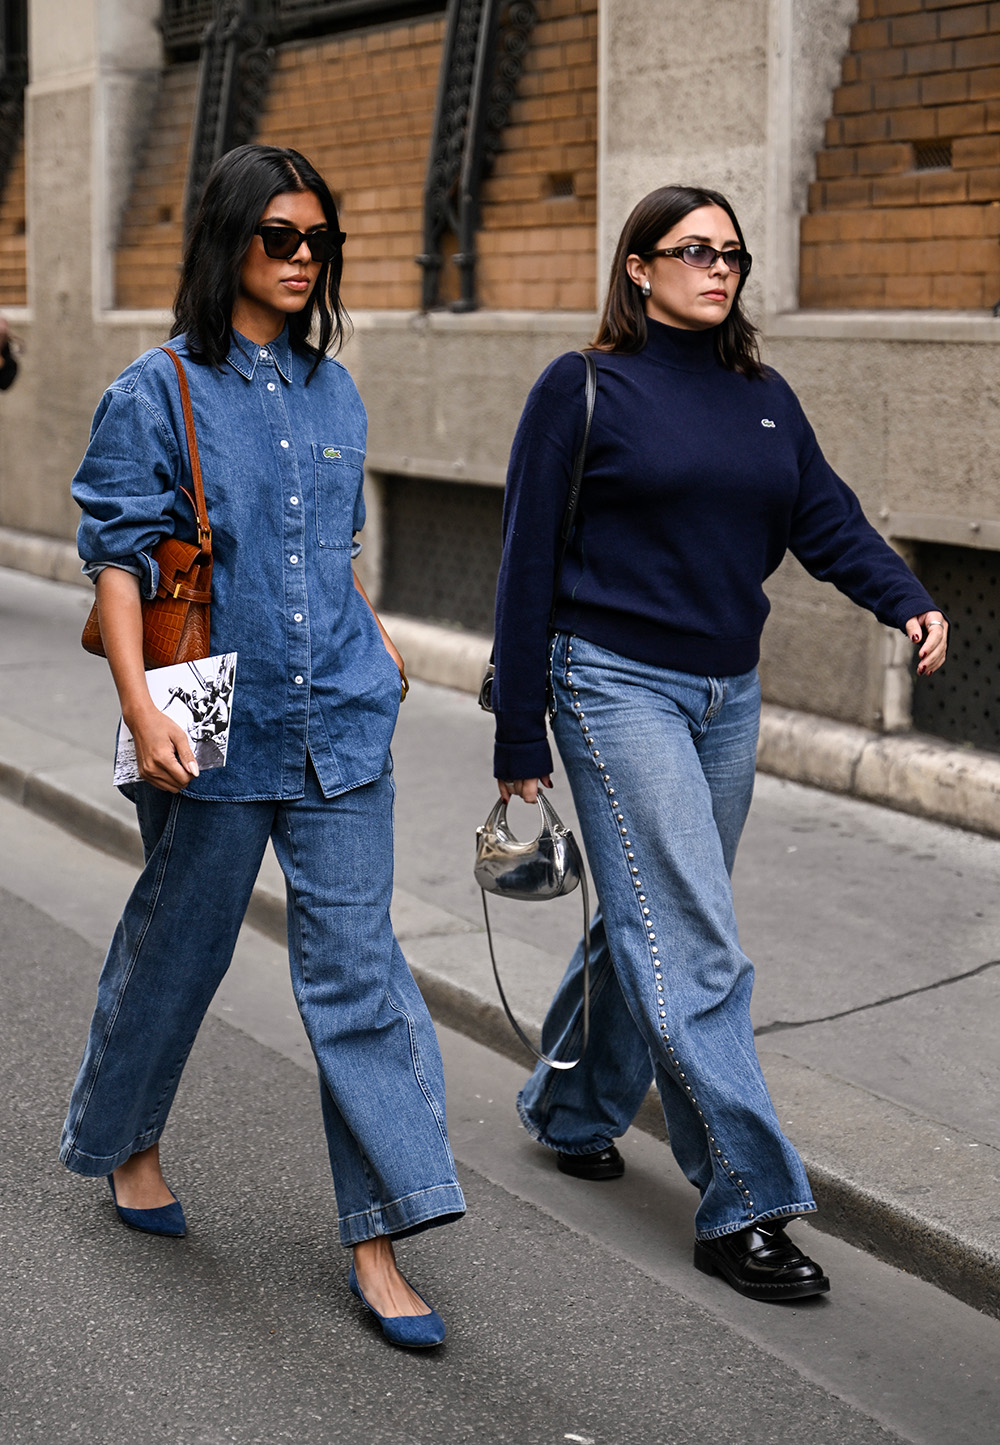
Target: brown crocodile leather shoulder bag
[175, 623]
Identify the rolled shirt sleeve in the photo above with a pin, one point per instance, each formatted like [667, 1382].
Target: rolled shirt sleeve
[126, 487]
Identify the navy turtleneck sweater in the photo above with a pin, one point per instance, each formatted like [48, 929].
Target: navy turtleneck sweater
[697, 482]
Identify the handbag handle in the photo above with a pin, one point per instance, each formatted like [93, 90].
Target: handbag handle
[200, 510]
[585, 899]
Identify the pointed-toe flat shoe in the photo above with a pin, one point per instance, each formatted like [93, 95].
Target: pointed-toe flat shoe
[607, 1164]
[761, 1263]
[410, 1332]
[168, 1219]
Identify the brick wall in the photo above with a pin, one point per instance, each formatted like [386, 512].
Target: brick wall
[152, 234]
[13, 265]
[538, 250]
[360, 105]
[905, 208]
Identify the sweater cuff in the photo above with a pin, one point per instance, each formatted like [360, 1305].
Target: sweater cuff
[512, 761]
[916, 607]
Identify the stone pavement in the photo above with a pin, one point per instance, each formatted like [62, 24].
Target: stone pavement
[875, 937]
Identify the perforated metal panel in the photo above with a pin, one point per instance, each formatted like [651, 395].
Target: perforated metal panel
[441, 551]
[961, 703]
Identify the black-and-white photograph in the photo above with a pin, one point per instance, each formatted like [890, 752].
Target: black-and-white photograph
[198, 695]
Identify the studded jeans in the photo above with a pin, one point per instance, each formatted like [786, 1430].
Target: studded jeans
[661, 765]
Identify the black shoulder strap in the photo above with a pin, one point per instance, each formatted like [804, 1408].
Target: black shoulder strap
[566, 530]
[576, 481]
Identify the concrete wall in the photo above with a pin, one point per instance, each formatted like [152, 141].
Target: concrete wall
[907, 406]
[92, 65]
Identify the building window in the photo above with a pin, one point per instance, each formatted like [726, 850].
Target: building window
[441, 551]
[961, 703]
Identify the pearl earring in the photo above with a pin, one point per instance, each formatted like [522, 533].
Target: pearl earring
[647, 290]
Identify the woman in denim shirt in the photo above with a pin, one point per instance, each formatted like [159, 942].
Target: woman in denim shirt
[281, 433]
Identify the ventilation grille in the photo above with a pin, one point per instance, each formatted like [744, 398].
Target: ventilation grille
[961, 703]
[932, 155]
[442, 551]
[560, 185]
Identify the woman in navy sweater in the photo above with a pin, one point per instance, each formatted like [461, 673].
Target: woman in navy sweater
[701, 472]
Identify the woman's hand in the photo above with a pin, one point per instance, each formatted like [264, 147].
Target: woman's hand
[162, 749]
[526, 788]
[935, 648]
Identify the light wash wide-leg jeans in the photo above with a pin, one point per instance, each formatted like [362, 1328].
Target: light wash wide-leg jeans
[381, 1079]
[661, 765]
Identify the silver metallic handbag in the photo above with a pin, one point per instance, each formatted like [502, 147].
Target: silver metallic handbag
[546, 867]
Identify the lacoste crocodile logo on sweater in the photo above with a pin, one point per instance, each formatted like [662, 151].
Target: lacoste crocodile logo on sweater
[766, 421]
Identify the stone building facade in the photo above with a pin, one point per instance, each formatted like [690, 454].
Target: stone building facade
[858, 139]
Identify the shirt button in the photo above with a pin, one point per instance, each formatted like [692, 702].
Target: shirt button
[299, 680]
[296, 616]
[263, 356]
[270, 386]
[284, 443]
[294, 501]
[294, 557]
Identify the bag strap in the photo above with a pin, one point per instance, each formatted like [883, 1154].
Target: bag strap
[566, 529]
[543, 1058]
[200, 510]
[576, 481]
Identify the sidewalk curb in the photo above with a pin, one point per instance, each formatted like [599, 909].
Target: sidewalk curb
[910, 772]
[907, 771]
[847, 1125]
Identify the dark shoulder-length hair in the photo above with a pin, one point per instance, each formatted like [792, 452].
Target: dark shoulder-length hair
[623, 320]
[238, 190]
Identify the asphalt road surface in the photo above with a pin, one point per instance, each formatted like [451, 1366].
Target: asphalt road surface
[573, 1310]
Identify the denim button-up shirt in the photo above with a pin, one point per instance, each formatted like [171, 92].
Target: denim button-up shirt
[282, 469]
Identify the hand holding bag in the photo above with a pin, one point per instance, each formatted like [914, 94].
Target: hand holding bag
[546, 867]
[176, 623]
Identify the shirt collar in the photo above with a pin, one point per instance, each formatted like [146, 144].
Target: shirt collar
[244, 354]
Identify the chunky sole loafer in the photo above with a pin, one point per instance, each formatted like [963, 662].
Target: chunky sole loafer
[410, 1332]
[168, 1219]
[608, 1164]
[761, 1263]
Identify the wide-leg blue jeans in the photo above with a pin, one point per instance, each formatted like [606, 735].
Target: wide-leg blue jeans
[661, 765]
[380, 1072]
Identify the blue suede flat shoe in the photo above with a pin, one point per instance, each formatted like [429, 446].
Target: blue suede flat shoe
[168, 1219]
[410, 1332]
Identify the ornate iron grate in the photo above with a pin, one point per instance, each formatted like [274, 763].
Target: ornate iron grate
[183, 22]
[13, 79]
[961, 703]
[441, 551]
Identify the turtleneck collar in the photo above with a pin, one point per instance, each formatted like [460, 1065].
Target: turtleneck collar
[688, 350]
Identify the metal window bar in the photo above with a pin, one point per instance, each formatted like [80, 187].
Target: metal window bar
[183, 22]
[13, 79]
[481, 62]
[232, 79]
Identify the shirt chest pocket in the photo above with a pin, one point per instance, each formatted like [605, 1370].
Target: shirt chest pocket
[339, 471]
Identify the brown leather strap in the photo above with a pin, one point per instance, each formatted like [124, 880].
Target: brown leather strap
[200, 510]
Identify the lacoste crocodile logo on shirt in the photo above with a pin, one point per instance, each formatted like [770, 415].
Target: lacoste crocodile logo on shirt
[334, 452]
[766, 421]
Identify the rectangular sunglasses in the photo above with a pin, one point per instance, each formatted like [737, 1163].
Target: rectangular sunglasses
[282, 242]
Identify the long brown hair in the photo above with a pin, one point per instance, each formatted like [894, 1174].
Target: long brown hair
[623, 320]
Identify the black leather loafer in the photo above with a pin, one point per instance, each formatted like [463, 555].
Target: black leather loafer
[608, 1164]
[762, 1263]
